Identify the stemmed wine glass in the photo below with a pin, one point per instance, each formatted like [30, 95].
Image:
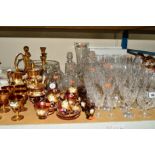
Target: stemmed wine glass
[144, 103]
[15, 102]
[25, 98]
[98, 98]
[145, 98]
[4, 95]
[94, 79]
[126, 87]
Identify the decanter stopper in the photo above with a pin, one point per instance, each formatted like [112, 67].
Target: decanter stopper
[69, 56]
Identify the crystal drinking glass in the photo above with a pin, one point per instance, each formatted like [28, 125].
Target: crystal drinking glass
[144, 103]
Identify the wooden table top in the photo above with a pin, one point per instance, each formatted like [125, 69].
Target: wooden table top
[30, 117]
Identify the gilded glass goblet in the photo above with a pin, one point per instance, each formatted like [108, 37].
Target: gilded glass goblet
[4, 95]
[20, 87]
[10, 88]
[15, 102]
[25, 98]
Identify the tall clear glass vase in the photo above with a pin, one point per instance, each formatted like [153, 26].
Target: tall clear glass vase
[81, 50]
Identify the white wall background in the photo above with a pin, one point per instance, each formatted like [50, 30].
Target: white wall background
[58, 47]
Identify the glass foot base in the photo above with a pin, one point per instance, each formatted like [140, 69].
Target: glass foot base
[42, 117]
[110, 116]
[17, 118]
[106, 108]
[98, 115]
[128, 115]
[145, 114]
[5, 110]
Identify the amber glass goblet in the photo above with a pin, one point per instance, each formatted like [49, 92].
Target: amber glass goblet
[10, 88]
[15, 102]
[23, 93]
[4, 95]
[20, 87]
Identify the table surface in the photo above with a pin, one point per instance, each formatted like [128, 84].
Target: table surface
[30, 118]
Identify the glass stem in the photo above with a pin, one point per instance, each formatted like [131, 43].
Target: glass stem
[98, 111]
[144, 112]
[17, 114]
[111, 113]
[3, 107]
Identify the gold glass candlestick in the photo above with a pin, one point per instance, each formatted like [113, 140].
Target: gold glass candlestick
[43, 57]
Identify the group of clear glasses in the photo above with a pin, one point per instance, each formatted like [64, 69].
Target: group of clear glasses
[119, 81]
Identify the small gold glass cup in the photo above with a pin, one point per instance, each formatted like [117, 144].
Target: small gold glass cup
[42, 109]
[15, 102]
[4, 95]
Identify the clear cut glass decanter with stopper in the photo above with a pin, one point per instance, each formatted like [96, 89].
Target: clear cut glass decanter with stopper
[70, 78]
